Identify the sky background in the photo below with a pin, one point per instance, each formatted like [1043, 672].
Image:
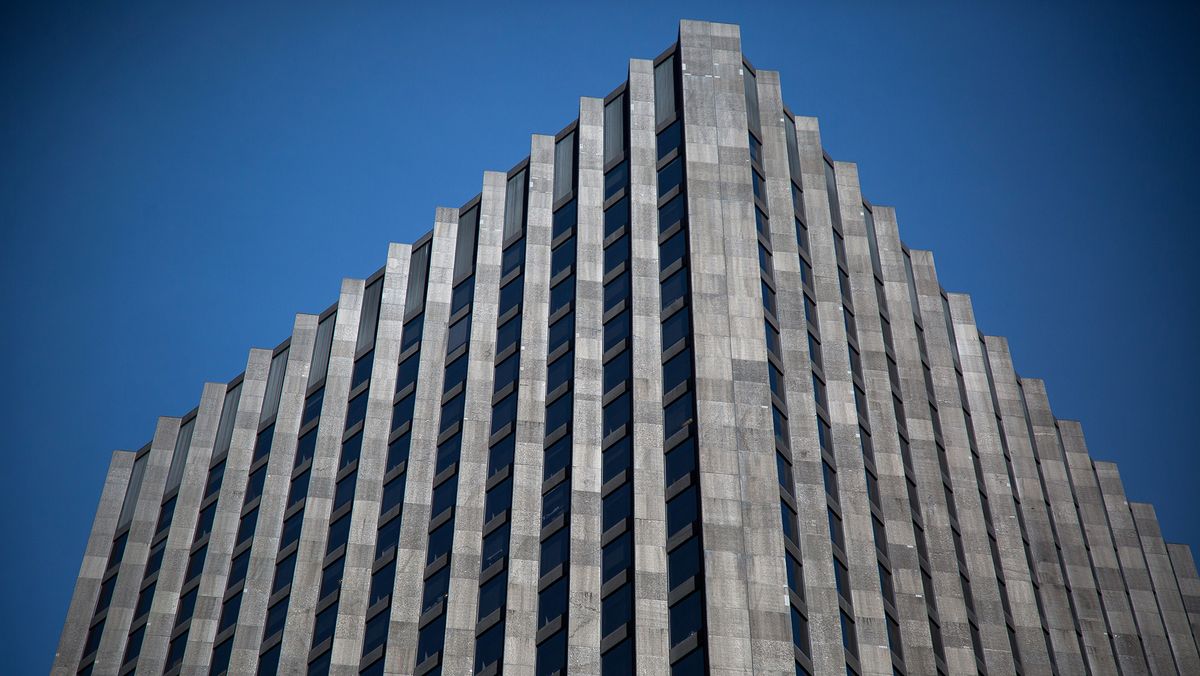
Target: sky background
[177, 180]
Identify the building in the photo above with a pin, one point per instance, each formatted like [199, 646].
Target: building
[668, 395]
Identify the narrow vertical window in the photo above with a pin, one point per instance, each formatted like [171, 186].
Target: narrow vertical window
[564, 166]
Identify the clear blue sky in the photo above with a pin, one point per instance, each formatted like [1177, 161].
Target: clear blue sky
[176, 181]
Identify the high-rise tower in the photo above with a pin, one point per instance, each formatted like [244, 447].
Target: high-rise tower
[668, 396]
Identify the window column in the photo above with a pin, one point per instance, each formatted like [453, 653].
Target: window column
[617, 602]
[681, 477]
[240, 497]
[409, 314]
[431, 625]
[554, 569]
[492, 580]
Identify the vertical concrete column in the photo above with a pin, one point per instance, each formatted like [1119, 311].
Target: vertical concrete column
[198, 654]
[737, 482]
[401, 651]
[870, 622]
[310, 557]
[360, 549]
[1166, 589]
[95, 562]
[583, 615]
[819, 582]
[769, 579]
[943, 357]
[911, 604]
[652, 635]
[352, 601]
[161, 623]
[919, 396]
[903, 311]
[1134, 569]
[821, 594]
[261, 574]
[137, 548]
[993, 464]
[766, 576]
[1068, 535]
[524, 553]
[1101, 553]
[1189, 584]
[1057, 614]
[463, 600]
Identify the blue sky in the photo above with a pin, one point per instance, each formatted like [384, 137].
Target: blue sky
[178, 179]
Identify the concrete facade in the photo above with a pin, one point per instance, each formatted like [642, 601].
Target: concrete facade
[945, 521]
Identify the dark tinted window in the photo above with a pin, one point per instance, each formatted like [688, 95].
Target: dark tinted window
[677, 370]
[501, 454]
[617, 556]
[398, 450]
[552, 655]
[557, 456]
[458, 334]
[491, 596]
[498, 500]
[616, 290]
[675, 328]
[407, 373]
[393, 495]
[616, 609]
[562, 294]
[495, 544]
[345, 490]
[556, 502]
[284, 571]
[685, 618]
[306, 446]
[615, 179]
[616, 370]
[312, 406]
[299, 488]
[670, 176]
[508, 334]
[617, 458]
[362, 370]
[616, 217]
[674, 288]
[291, 532]
[677, 415]
[254, 485]
[669, 139]
[561, 331]
[229, 613]
[444, 496]
[616, 330]
[563, 220]
[436, 588]
[554, 550]
[510, 295]
[558, 413]
[681, 510]
[489, 647]
[204, 522]
[683, 562]
[238, 568]
[507, 371]
[351, 449]
[455, 373]
[339, 531]
[382, 582]
[672, 250]
[552, 602]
